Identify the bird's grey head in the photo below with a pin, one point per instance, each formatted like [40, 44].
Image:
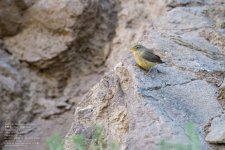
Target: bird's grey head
[137, 47]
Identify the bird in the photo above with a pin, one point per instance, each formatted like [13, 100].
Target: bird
[145, 58]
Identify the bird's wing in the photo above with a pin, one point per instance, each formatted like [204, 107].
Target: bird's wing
[150, 56]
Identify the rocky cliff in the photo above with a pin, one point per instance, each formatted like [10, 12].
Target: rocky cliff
[52, 52]
[139, 111]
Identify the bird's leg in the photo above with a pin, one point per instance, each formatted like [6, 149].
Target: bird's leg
[153, 72]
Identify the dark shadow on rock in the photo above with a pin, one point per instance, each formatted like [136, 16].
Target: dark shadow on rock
[89, 51]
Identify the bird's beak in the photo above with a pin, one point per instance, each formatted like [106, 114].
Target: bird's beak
[132, 49]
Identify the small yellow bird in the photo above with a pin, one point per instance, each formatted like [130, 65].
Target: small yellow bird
[145, 57]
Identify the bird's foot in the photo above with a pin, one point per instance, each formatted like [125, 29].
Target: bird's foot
[153, 72]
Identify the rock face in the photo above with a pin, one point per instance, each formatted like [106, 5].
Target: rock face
[216, 131]
[59, 43]
[61, 39]
[138, 111]
[12, 98]
[52, 52]
[10, 25]
[134, 21]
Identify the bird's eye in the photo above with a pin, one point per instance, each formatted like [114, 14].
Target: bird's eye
[138, 46]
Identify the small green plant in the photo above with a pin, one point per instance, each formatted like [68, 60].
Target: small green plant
[79, 141]
[194, 144]
[113, 146]
[55, 142]
[98, 138]
[191, 132]
[97, 141]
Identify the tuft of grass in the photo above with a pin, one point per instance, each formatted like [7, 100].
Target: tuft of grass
[79, 141]
[55, 142]
[192, 134]
[98, 138]
[97, 141]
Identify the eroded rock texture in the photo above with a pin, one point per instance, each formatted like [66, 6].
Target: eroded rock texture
[138, 110]
[60, 43]
[9, 25]
[52, 52]
[216, 130]
[58, 35]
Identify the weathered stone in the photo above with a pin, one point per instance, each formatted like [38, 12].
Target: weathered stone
[74, 36]
[216, 130]
[180, 3]
[107, 102]
[157, 106]
[216, 38]
[216, 13]
[173, 21]
[11, 87]
[10, 17]
[182, 51]
[160, 106]
[43, 39]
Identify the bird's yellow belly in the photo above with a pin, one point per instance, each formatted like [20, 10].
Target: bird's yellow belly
[143, 63]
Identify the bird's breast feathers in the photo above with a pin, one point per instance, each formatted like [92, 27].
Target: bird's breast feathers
[143, 63]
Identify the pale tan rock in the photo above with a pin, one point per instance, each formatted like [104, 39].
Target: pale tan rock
[105, 105]
[47, 30]
[71, 35]
[216, 130]
[37, 43]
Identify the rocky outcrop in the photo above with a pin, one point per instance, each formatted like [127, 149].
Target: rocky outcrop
[51, 53]
[12, 85]
[59, 43]
[138, 111]
[63, 38]
[10, 25]
[12, 97]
